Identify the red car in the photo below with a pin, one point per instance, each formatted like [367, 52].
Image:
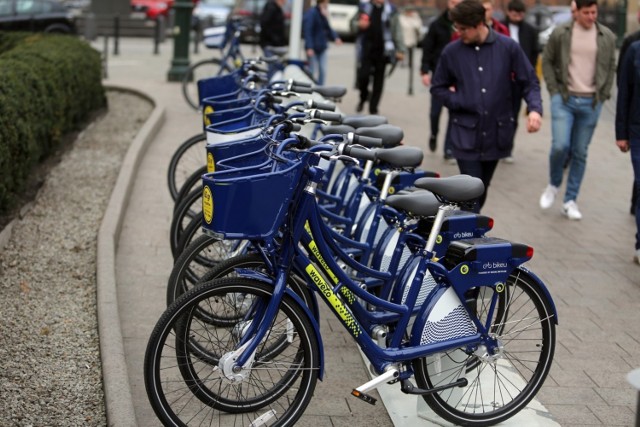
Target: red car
[150, 9]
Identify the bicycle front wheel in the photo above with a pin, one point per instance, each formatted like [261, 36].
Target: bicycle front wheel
[198, 71]
[187, 387]
[500, 385]
[188, 158]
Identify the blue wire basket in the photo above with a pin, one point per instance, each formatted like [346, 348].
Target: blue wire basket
[222, 87]
[249, 203]
[248, 152]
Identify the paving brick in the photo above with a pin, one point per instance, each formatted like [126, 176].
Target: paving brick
[578, 415]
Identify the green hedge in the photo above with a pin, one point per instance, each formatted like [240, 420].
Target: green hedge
[49, 85]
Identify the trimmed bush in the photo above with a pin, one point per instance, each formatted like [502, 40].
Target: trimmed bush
[49, 85]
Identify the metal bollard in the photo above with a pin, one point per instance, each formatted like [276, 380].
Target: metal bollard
[116, 35]
[634, 379]
[90, 26]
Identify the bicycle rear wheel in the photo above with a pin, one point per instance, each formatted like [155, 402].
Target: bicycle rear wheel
[201, 70]
[502, 384]
[275, 389]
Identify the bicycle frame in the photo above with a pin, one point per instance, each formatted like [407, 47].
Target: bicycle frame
[348, 309]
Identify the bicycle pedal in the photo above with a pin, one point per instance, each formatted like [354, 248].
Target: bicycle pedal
[363, 396]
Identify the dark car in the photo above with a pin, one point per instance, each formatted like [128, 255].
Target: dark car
[36, 15]
[247, 13]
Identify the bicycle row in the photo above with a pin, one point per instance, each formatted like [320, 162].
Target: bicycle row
[280, 220]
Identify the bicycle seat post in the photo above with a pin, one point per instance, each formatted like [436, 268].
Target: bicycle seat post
[437, 225]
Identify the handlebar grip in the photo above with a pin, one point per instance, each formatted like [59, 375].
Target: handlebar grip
[359, 153]
[319, 105]
[326, 116]
[300, 89]
[300, 84]
[366, 141]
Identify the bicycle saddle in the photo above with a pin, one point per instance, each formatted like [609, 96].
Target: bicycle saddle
[457, 188]
[401, 156]
[418, 203]
[390, 135]
[364, 121]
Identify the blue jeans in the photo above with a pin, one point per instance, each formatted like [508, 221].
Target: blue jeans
[635, 161]
[318, 65]
[572, 126]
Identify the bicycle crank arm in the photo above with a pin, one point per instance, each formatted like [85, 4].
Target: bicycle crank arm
[409, 388]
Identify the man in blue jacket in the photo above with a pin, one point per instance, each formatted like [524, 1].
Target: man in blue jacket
[317, 33]
[473, 80]
[628, 121]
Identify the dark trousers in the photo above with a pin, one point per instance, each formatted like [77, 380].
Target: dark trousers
[371, 66]
[479, 169]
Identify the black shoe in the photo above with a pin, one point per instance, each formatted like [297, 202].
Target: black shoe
[360, 107]
[373, 111]
[433, 142]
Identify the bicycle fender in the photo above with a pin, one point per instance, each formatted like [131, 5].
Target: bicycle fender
[316, 328]
[543, 288]
[311, 312]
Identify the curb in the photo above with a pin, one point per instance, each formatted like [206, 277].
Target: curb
[117, 392]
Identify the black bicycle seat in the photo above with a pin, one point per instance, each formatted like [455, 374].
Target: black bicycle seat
[456, 189]
[418, 203]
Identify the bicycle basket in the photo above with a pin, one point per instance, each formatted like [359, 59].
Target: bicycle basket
[248, 152]
[215, 37]
[217, 136]
[249, 203]
[222, 87]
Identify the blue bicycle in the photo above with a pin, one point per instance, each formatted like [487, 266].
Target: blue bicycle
[479, 348]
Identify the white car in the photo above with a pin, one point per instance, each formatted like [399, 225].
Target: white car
[341, 13]
[212, 12]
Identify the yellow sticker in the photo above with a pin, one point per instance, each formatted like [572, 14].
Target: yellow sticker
[211, 166]
[207, 110]
[207, 204]
[499, 287]
[464, 269]
[376, 172]
[439, 239]
[392, 190]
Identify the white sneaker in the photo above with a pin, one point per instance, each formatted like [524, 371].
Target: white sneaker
[636, 258]
[570, 210]
[548, 197]
[510, 160]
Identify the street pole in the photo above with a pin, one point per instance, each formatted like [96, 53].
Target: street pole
[181, 32]
[295, 31]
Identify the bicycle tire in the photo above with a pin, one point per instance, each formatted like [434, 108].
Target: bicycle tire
[192, 182]
[508, 377]
[190, 233]
[201, 69]
[187, 209]
[280, 388]
[188, 157]
[202, 255]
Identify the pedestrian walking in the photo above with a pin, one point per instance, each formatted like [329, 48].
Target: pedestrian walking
[379, 42]
[273, 33]
[496, 25]
[578, 64]
[623, 49]
[527, 37]
[628, 121]
[473, 80]
[411, 25]
[317, 34]
[438, 36]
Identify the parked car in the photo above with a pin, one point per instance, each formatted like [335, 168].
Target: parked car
[211, 13]
[341, 13]
[150, 9]
[247, 13]
[36, 15]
